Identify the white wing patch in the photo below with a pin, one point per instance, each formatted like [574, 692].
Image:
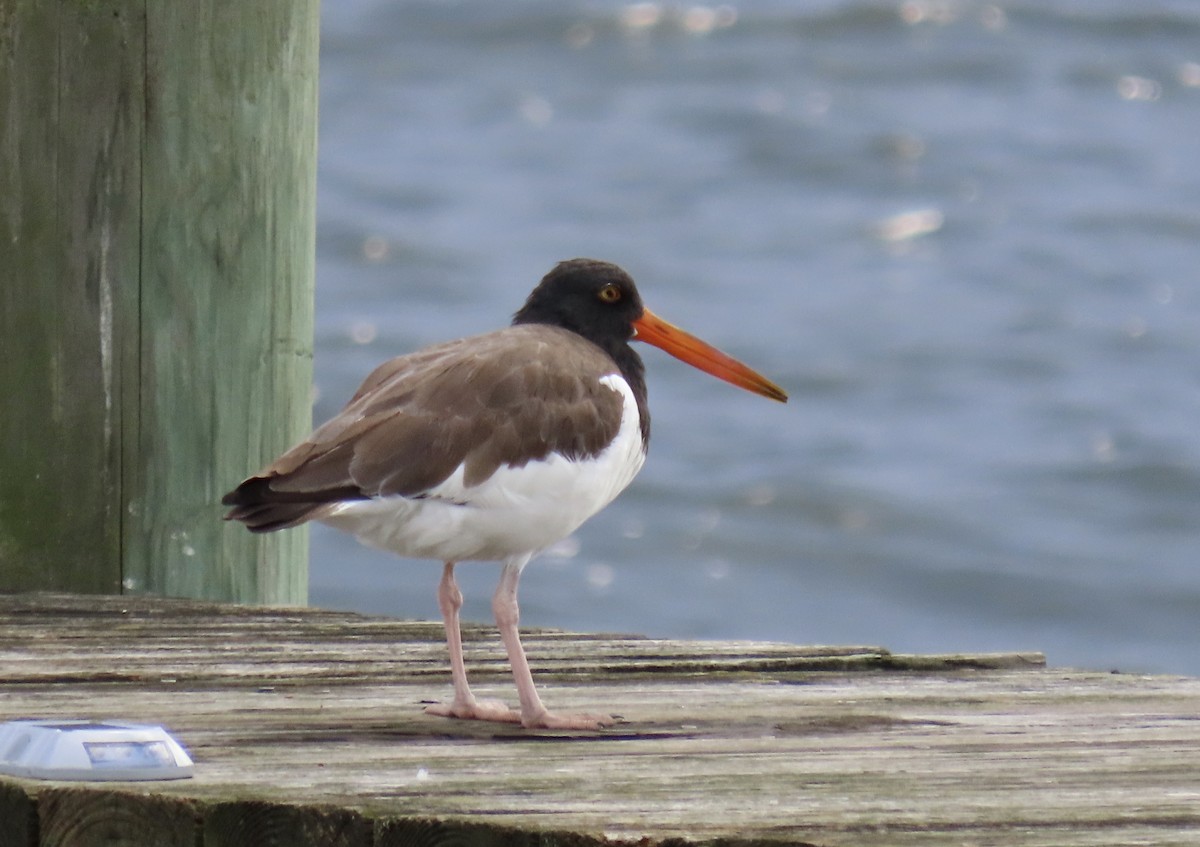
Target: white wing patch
[516, 510]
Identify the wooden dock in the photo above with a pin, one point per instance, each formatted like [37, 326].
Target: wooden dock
[307, 728]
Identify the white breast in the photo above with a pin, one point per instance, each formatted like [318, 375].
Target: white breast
[516, 510]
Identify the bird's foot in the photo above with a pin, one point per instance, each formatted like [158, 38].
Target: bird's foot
[550, 720]
[496, 712]
[475, 710]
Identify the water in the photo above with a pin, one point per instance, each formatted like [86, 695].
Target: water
[962, 235]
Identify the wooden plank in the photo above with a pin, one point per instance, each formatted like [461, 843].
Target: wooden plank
[317, 718]
[157, 215]
[75, 817]
[252, 823]
[229, 209]
[18, 817]
[70, 135]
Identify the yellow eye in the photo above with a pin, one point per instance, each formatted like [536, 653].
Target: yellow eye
[609, 294]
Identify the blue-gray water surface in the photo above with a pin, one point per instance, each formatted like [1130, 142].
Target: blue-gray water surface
[963, 235]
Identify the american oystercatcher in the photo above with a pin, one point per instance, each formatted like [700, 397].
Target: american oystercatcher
[491, 447]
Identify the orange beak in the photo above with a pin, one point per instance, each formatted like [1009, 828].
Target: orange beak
[688, 348]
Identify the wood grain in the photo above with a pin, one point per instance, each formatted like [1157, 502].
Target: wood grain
[72, 817]
[70, 140]
[18, 817]
[304, 714]
[258, 824]
[157, 237]
[229, 200]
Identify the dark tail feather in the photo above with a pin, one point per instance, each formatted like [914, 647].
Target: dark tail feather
[272, 516]
[263, 509]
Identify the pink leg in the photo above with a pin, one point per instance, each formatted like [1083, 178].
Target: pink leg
[464, 705]
[508, 615]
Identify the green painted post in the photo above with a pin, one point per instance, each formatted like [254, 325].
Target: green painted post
[157, 197]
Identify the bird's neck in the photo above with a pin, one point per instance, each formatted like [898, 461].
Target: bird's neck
[634, 372]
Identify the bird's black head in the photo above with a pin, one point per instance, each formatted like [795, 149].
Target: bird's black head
[595, 299]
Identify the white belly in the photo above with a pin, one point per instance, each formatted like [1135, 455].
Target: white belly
[517, 510]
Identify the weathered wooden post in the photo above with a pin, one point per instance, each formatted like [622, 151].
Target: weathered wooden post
[157, 196]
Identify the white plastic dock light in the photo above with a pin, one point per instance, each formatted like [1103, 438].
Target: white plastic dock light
[92, 751]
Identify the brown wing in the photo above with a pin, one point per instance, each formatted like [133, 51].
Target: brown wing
[505, 398]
